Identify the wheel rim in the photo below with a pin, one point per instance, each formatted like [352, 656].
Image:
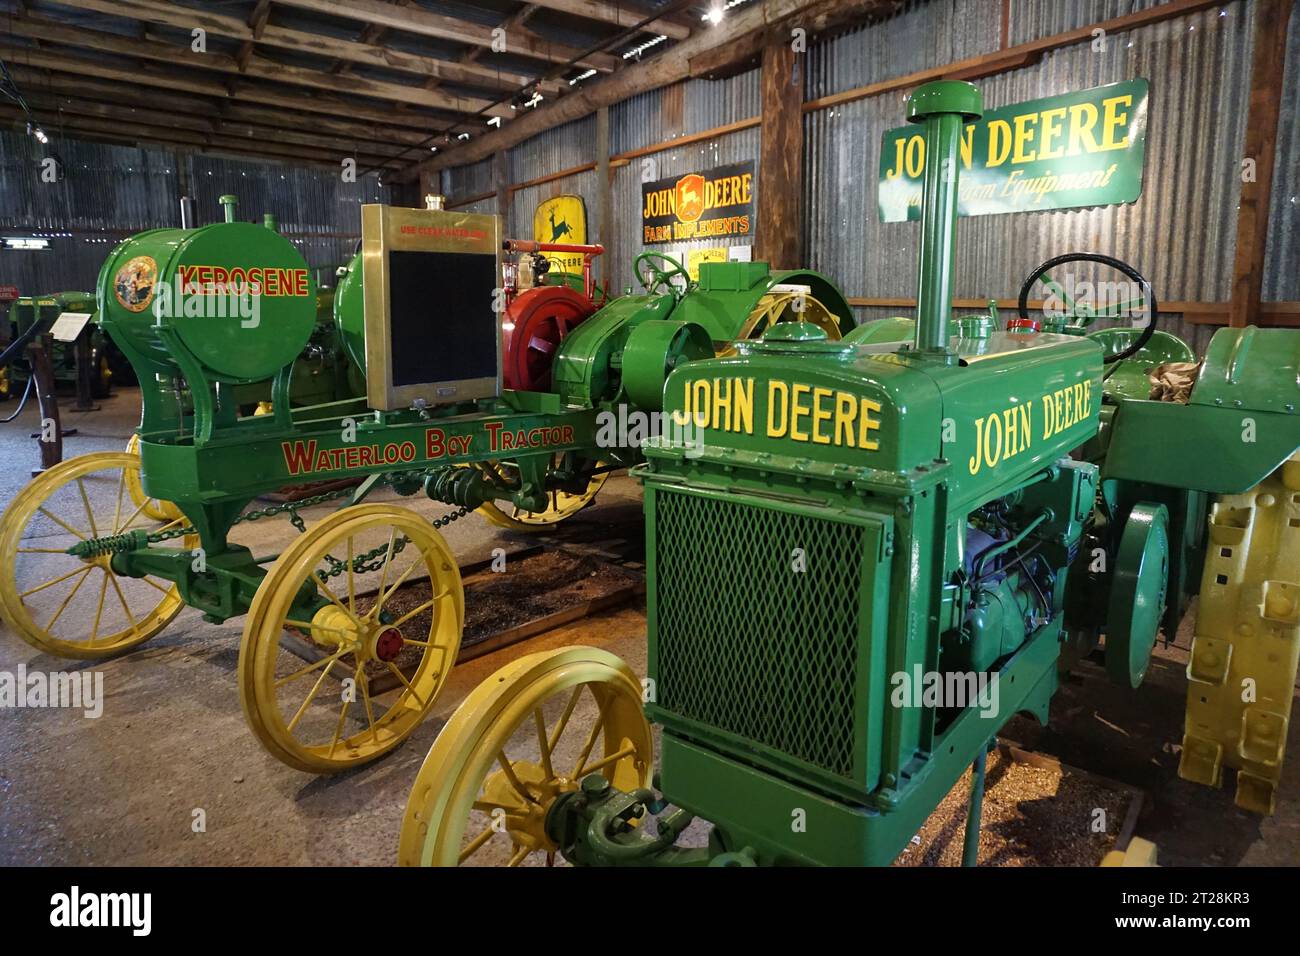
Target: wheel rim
[303, 711]
[155, 508]
[780, 307]
[44, 590]
[522, 731]
[562, 505]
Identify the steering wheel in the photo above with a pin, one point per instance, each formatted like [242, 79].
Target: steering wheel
[660, 277]
[1082, 314]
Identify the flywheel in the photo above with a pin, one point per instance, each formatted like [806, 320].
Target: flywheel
[785, 307]
[1138, 592]
[536, 322]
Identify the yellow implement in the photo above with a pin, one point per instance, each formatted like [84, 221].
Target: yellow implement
[1241, 677]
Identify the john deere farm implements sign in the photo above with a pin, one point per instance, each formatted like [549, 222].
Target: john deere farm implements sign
[707, 205]
[1062, 152]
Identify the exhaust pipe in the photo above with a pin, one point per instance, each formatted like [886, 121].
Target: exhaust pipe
[944, 107]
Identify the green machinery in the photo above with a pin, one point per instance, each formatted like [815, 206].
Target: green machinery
[36, 314]
[349, 633]
[865, 557]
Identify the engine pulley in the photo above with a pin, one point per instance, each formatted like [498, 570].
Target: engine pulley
[536, 322]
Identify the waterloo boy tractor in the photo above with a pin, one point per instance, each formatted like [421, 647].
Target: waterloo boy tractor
[850, 520]
[350, 631]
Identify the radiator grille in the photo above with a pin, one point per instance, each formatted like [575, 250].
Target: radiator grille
[746, 644]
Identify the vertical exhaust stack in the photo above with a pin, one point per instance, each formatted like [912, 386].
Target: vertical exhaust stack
[944, 106]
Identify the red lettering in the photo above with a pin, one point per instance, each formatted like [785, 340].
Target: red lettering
[298, 455]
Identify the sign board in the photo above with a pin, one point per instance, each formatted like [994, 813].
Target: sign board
[1078, 149]
[713, 204]
[562, 219]
[8, 293]
[695, 256]
[67, 327]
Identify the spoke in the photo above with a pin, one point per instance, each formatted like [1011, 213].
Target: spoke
[50, 584]
[352, 584]
[520, 856]
[550, 858]
[333, 598]
[117, 508]
[410, 614]
[338, 728]
[85, 501]
[171, 524]
[396, 584]
[122, 599]
[510, 775]
[627, 751]
[311, 667]
[586, 750]
[42, 550]
[383, 572]
[402, 677]
[63, 524]
[134, 514]
[476, 844]
[155, 584]
[541, 743]
[309, 627]
[365, 696]
[71, 594]
[564, 718]
[315, 687]
[99, 609]
[487, 806]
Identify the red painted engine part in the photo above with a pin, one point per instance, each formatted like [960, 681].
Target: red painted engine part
[536, 322]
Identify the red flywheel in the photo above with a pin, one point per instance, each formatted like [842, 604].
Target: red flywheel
[536, 322]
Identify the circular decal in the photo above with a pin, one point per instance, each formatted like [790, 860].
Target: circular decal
[134, 283]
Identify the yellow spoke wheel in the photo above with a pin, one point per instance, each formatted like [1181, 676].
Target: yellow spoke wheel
[528, 733]
[154, 508]
[785, 307]
[79, 607]
[562, 505]
[316, 715]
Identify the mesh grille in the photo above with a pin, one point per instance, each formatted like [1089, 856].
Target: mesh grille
[746, 644]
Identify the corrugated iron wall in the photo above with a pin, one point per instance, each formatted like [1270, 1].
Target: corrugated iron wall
[1282, 264]
[1180, 234]
[111, 192]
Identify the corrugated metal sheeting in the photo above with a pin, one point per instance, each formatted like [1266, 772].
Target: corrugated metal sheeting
[682, 110]
[1180, 234]
[1282, 264]
[111, 192]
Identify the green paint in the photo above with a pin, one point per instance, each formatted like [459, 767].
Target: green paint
[1060, 152]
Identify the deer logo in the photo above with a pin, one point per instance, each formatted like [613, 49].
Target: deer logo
[690, 197]
[559, 230]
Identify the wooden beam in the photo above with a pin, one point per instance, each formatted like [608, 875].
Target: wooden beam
[779, 239]
[117, 93]
[126, 72]
[1267, 69]
[616, 14]
[364, 51]
[418, 20]
[118, 131]
[256, 67]
[664, 69]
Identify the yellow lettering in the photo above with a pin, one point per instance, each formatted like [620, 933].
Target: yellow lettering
[820, 415]
[845, 407]
[867, 424]
[743, 416]
[1051, 128]
[999, 143]
[773, 389]
[797, 410]
[1112, 119]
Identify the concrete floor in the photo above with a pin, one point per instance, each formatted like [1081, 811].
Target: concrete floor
[123, 789]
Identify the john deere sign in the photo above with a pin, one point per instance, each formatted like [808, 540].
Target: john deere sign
[708, 205]
[1078, 149]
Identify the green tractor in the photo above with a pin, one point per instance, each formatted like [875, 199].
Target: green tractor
[865, 556]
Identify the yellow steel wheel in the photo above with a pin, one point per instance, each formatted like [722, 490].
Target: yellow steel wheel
[71, 606]
[484, 790]
[562, 505]
[154, 508]
[316, 715]
[785, 307]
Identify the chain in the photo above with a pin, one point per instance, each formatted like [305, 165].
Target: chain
[376, 558]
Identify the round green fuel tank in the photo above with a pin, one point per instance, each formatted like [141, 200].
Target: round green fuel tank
[238, 297]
